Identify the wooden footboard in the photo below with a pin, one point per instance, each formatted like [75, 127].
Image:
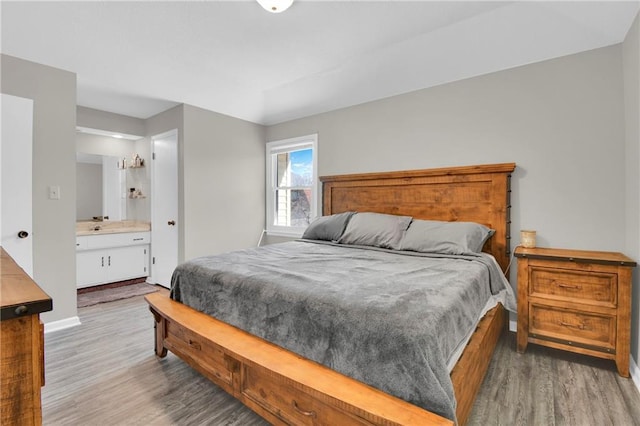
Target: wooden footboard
[285, 388]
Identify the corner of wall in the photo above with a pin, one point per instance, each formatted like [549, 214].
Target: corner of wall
[631, 80]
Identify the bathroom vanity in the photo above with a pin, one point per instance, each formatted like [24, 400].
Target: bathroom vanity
[108, 252]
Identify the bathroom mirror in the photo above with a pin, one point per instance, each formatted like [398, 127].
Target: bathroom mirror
[100, 186]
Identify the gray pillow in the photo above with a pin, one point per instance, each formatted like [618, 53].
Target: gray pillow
[433, 236]
[329, 228]
[375, 229]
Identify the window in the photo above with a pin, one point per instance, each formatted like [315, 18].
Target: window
[291, 185]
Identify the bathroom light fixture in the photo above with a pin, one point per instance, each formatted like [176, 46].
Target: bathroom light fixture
[275, 6]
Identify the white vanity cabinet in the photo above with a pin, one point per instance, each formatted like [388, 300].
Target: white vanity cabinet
[108, 258]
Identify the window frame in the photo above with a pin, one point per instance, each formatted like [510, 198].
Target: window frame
[277, 147]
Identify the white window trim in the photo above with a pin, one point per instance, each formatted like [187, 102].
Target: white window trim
[281, 146]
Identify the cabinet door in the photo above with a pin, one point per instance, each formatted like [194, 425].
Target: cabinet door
[127, 262]
[91, 268]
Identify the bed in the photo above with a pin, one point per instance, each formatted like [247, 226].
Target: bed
[286, 388]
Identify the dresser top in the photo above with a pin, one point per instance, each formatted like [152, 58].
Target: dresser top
[581, 256]
[17, 289]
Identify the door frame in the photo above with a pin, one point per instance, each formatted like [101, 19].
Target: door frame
[152, 139]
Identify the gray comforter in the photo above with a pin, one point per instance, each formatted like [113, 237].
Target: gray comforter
[387, 318]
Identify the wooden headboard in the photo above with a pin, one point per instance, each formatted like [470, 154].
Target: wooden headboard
[469, 194]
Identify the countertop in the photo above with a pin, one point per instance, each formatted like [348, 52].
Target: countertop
[110, 227]
[19, 294]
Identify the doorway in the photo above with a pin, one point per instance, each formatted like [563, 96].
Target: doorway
[16, 180]
[164, 207]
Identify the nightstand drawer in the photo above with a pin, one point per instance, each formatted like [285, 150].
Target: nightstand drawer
[595, 288]
[582, 328]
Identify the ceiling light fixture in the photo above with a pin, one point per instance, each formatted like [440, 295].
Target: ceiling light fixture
[275, 6]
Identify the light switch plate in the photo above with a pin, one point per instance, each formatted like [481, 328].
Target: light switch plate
[54, 192]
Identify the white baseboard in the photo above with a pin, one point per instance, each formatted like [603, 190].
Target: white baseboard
[635, 372]
[151, 281]
[61, 324]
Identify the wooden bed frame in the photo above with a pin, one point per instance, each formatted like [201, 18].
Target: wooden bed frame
[285, 388]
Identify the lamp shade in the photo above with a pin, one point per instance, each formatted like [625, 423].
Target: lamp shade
[275, 6]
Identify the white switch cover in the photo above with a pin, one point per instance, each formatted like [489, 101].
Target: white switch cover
[54, 192]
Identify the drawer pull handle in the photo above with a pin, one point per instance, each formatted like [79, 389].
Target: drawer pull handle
[578, 326]
[194, 344]
[138, 239]
[294, 404]
[21, 310]
[570, 287]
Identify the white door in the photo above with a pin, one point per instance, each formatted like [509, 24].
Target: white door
[164, 207]
[15, 180]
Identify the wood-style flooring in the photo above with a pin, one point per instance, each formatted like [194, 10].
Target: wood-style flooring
[104, 372]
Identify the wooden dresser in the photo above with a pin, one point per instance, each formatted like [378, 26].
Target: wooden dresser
[578, 301]
[21, 345]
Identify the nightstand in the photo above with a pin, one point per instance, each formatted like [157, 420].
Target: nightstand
[575, 300]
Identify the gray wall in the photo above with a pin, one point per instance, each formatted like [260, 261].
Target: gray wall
[223, 182]
[561, 121]
[54, 162]
[631, 69]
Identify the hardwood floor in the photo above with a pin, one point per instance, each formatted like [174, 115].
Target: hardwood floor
[545, 386]
[104, 372]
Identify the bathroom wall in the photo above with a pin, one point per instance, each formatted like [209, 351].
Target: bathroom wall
[138, 208]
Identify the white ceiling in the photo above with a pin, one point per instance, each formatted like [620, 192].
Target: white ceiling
[232, 57]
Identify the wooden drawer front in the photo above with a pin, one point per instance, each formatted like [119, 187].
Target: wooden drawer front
[18, 391]
[210, 356]
[584, 328]
[577, 286]
[292, 405]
